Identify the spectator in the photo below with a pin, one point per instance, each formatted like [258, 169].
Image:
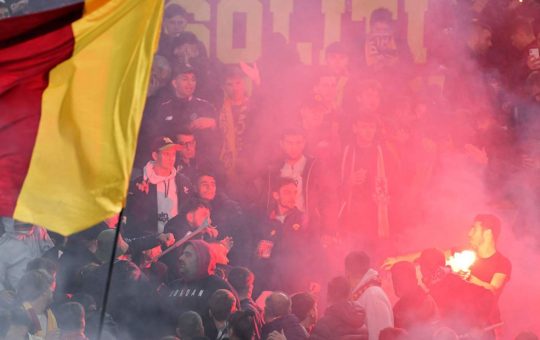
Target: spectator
[241, 326]
[236, 120]
[183, 109]
[35, 292]
[195, 215]
[462, 312]
[17, 322]
[415, 310]
[44, 264]
[368, 294]
[159, 194]
[321, 133]
[343, 319]
[197, 282]
[284, 243]
[384, 49]
[71, 321]
[79, 252]
[159, 76]
[242, 280]
[492, 270]
[130, 299]
[188, 50]
[325, 89]
[175, 20]
[228, 215]
[105, 242]
[337, 56]
[222, 305]
[369, 177]
[150, 264]
[278, 317]
[92, 317]
[190, 326]
[304, 306]
[316, 193]
[20, 244]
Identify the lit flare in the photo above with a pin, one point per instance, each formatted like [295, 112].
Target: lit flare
[461, 262]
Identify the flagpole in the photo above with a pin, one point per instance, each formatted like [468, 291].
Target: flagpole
[109, 274]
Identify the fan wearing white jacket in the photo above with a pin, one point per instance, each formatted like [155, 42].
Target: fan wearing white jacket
[368, 294]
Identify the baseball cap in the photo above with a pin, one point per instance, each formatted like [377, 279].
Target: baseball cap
[162, 143]
[105, 242]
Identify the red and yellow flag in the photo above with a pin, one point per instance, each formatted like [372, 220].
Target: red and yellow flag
[72, 91]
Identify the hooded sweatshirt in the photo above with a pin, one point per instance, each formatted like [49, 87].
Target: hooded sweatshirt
[167, 199]
[375, 302]
[194, 293]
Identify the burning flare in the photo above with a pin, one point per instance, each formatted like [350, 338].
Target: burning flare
[461, 262]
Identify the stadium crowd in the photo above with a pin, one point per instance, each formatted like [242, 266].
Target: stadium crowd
[250, 179]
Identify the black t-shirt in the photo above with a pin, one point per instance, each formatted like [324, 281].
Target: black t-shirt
[486, 268]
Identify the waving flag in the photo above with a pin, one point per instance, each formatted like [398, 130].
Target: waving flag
[72, 91]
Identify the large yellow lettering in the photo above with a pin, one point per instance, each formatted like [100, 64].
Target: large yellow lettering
[225, 11]
[201, 12]
[332, 10]
[416, 10]
[281, 16]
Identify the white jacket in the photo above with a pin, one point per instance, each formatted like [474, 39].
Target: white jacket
[377, 306]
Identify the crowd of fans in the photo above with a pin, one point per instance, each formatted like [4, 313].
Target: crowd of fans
[248, 178]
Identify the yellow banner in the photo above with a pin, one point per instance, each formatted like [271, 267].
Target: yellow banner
[91, 113]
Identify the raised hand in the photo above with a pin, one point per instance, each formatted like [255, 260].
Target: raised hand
[252, 72]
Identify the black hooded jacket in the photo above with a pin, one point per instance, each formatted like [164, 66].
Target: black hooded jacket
[194, 294]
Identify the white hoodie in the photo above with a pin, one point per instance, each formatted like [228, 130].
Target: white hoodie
[167, 196]
[375, 302]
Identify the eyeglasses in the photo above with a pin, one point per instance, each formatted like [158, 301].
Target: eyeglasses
[188, 144]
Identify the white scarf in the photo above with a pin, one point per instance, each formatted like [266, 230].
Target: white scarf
[167, 194]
